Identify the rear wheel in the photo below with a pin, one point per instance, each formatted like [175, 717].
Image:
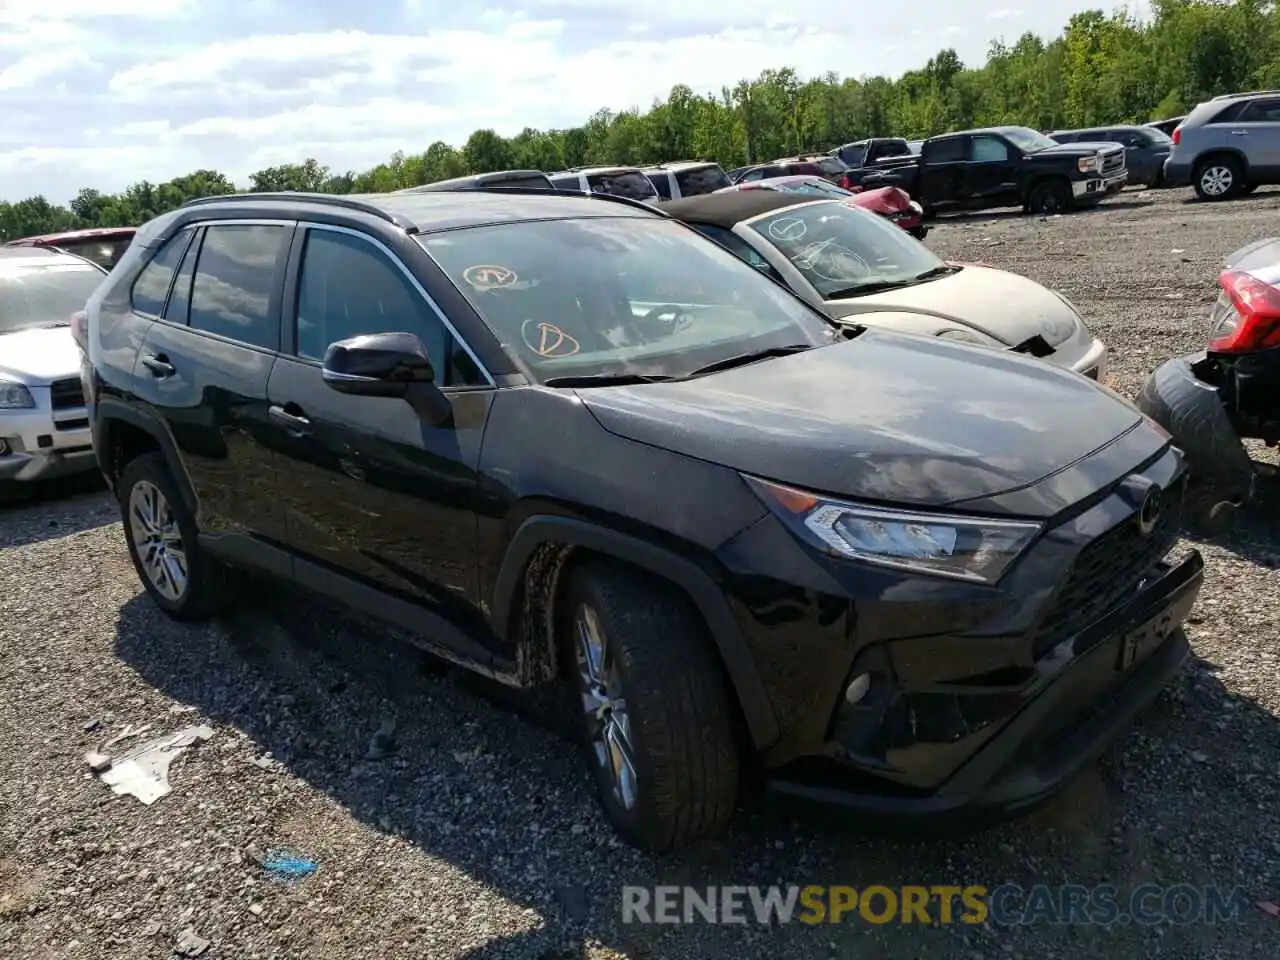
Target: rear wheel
[161, 534]
[657, 723]
[1049, 197]
[1219, 178]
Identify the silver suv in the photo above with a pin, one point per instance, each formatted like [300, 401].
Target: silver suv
[1227, 146]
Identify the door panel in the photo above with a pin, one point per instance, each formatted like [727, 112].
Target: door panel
[212, 391]
[368, 487]
[942, 172]
[990, 175]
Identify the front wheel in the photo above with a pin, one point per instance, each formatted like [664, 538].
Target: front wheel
[161, 534]
[656, 718]
[1219, 179]
[1049, 197]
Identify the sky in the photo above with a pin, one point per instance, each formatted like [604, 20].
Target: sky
[103, 93]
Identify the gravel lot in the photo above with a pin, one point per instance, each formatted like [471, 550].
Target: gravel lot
[478, 836]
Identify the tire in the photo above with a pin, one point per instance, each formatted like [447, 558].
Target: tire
[654, 660]
[1218, 178]
[1049, 197]
[150, 500]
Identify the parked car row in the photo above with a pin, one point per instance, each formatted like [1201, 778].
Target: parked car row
[741, 474]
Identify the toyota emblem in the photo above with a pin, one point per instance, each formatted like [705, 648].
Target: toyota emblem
[1149, 512]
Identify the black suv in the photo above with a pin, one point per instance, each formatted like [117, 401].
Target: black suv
[567, 438]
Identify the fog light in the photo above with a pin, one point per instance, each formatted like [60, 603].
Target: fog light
[5, 449]
[857, 689]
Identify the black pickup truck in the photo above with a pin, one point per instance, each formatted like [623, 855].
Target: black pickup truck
[1006, 167]
[875, 155]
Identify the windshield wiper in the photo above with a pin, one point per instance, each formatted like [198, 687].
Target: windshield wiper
[742, 359]
[876, 286]
[605, 380]
[942, 270]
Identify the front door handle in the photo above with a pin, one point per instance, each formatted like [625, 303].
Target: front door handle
[292, 417]
[159, 366]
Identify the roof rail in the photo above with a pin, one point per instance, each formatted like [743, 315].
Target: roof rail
[671, 163]
[1245, 93]
[348, 202]
[555, 192]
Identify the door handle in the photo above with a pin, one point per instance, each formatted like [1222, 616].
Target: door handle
[1239, 133]
[297, 423]
[159, 366]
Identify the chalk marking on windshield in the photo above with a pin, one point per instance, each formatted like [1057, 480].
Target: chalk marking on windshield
[489, 276]
[788, 229]
[547, 340]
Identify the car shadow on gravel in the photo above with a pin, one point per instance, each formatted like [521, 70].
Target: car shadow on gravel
[32, 513]
[1014, 213]
[1190, 796]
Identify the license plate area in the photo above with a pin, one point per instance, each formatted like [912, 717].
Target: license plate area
[1138, 642]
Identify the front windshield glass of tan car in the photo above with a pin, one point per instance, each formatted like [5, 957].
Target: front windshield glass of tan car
[844, 251]
[620, 296]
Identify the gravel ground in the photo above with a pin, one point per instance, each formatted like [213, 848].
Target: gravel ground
[478, 836]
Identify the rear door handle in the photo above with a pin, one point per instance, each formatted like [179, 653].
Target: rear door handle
[159, 366]
[1239, 133]
[298, 424]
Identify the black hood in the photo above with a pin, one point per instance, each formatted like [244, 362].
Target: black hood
[890, 418]
[1087, 149]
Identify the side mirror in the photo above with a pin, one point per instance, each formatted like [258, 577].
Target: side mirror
[377, 365]
[387, 365]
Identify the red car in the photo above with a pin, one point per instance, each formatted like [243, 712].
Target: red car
[103, 245]
[892, 203]
[820, 165]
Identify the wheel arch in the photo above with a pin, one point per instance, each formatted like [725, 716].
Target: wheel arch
[124, 432]
[532, 575]
[1209, 155]
[1042, 177]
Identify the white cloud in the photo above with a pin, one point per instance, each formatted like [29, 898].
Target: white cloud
[106, 92]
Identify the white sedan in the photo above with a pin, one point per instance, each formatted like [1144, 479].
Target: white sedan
[44, 427]
[853, 265]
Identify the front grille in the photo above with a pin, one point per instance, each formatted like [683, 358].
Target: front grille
[67, 393]
[1112, 162]
[1107, 572]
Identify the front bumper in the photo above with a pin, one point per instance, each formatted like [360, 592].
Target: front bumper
[43, 443]
[1084, 696]
[1193, 413]
[1095, 188]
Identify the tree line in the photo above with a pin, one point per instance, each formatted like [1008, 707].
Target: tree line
[1102, 69]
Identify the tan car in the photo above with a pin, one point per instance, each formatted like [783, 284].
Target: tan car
[854, 265]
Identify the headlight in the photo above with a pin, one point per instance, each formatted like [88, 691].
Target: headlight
[963, 548]
[1087, 164]
[15, 396]
[970, 336]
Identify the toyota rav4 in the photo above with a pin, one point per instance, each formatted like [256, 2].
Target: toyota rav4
[567, 439]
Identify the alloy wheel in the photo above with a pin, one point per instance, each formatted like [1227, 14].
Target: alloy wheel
[608, 724]
[157, 538]
[1216, 180]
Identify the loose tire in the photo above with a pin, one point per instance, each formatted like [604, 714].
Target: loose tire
[184, 581]
[1218, 178]
[656, 720]
[1049, 197]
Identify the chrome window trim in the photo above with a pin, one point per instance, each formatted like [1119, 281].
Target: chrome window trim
[422, 292]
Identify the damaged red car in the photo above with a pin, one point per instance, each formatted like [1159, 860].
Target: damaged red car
[1212, 400]
[892, 203]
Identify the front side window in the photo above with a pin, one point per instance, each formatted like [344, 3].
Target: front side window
[349, 288]
[614, 295]
[695, 181]
[235, 278]
[1261, 111]
[844, 251]
[37, 293]
[151, 288]
[988, 150]
[623, 183]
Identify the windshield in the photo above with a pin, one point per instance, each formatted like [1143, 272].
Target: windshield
[623, 183]
[816, 187]
[619, 295]
[37, 293]
[1028, 140]
[840, 248]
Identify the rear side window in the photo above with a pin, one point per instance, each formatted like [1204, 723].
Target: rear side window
[178, 309]
[539, 183]
[699, 180]
[944, 151]
[151, 289]
[1229, 114]
[1261, 111]
[624, 183]
[231, 295]
[831, 167]
[567, 183]
[854, 154]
